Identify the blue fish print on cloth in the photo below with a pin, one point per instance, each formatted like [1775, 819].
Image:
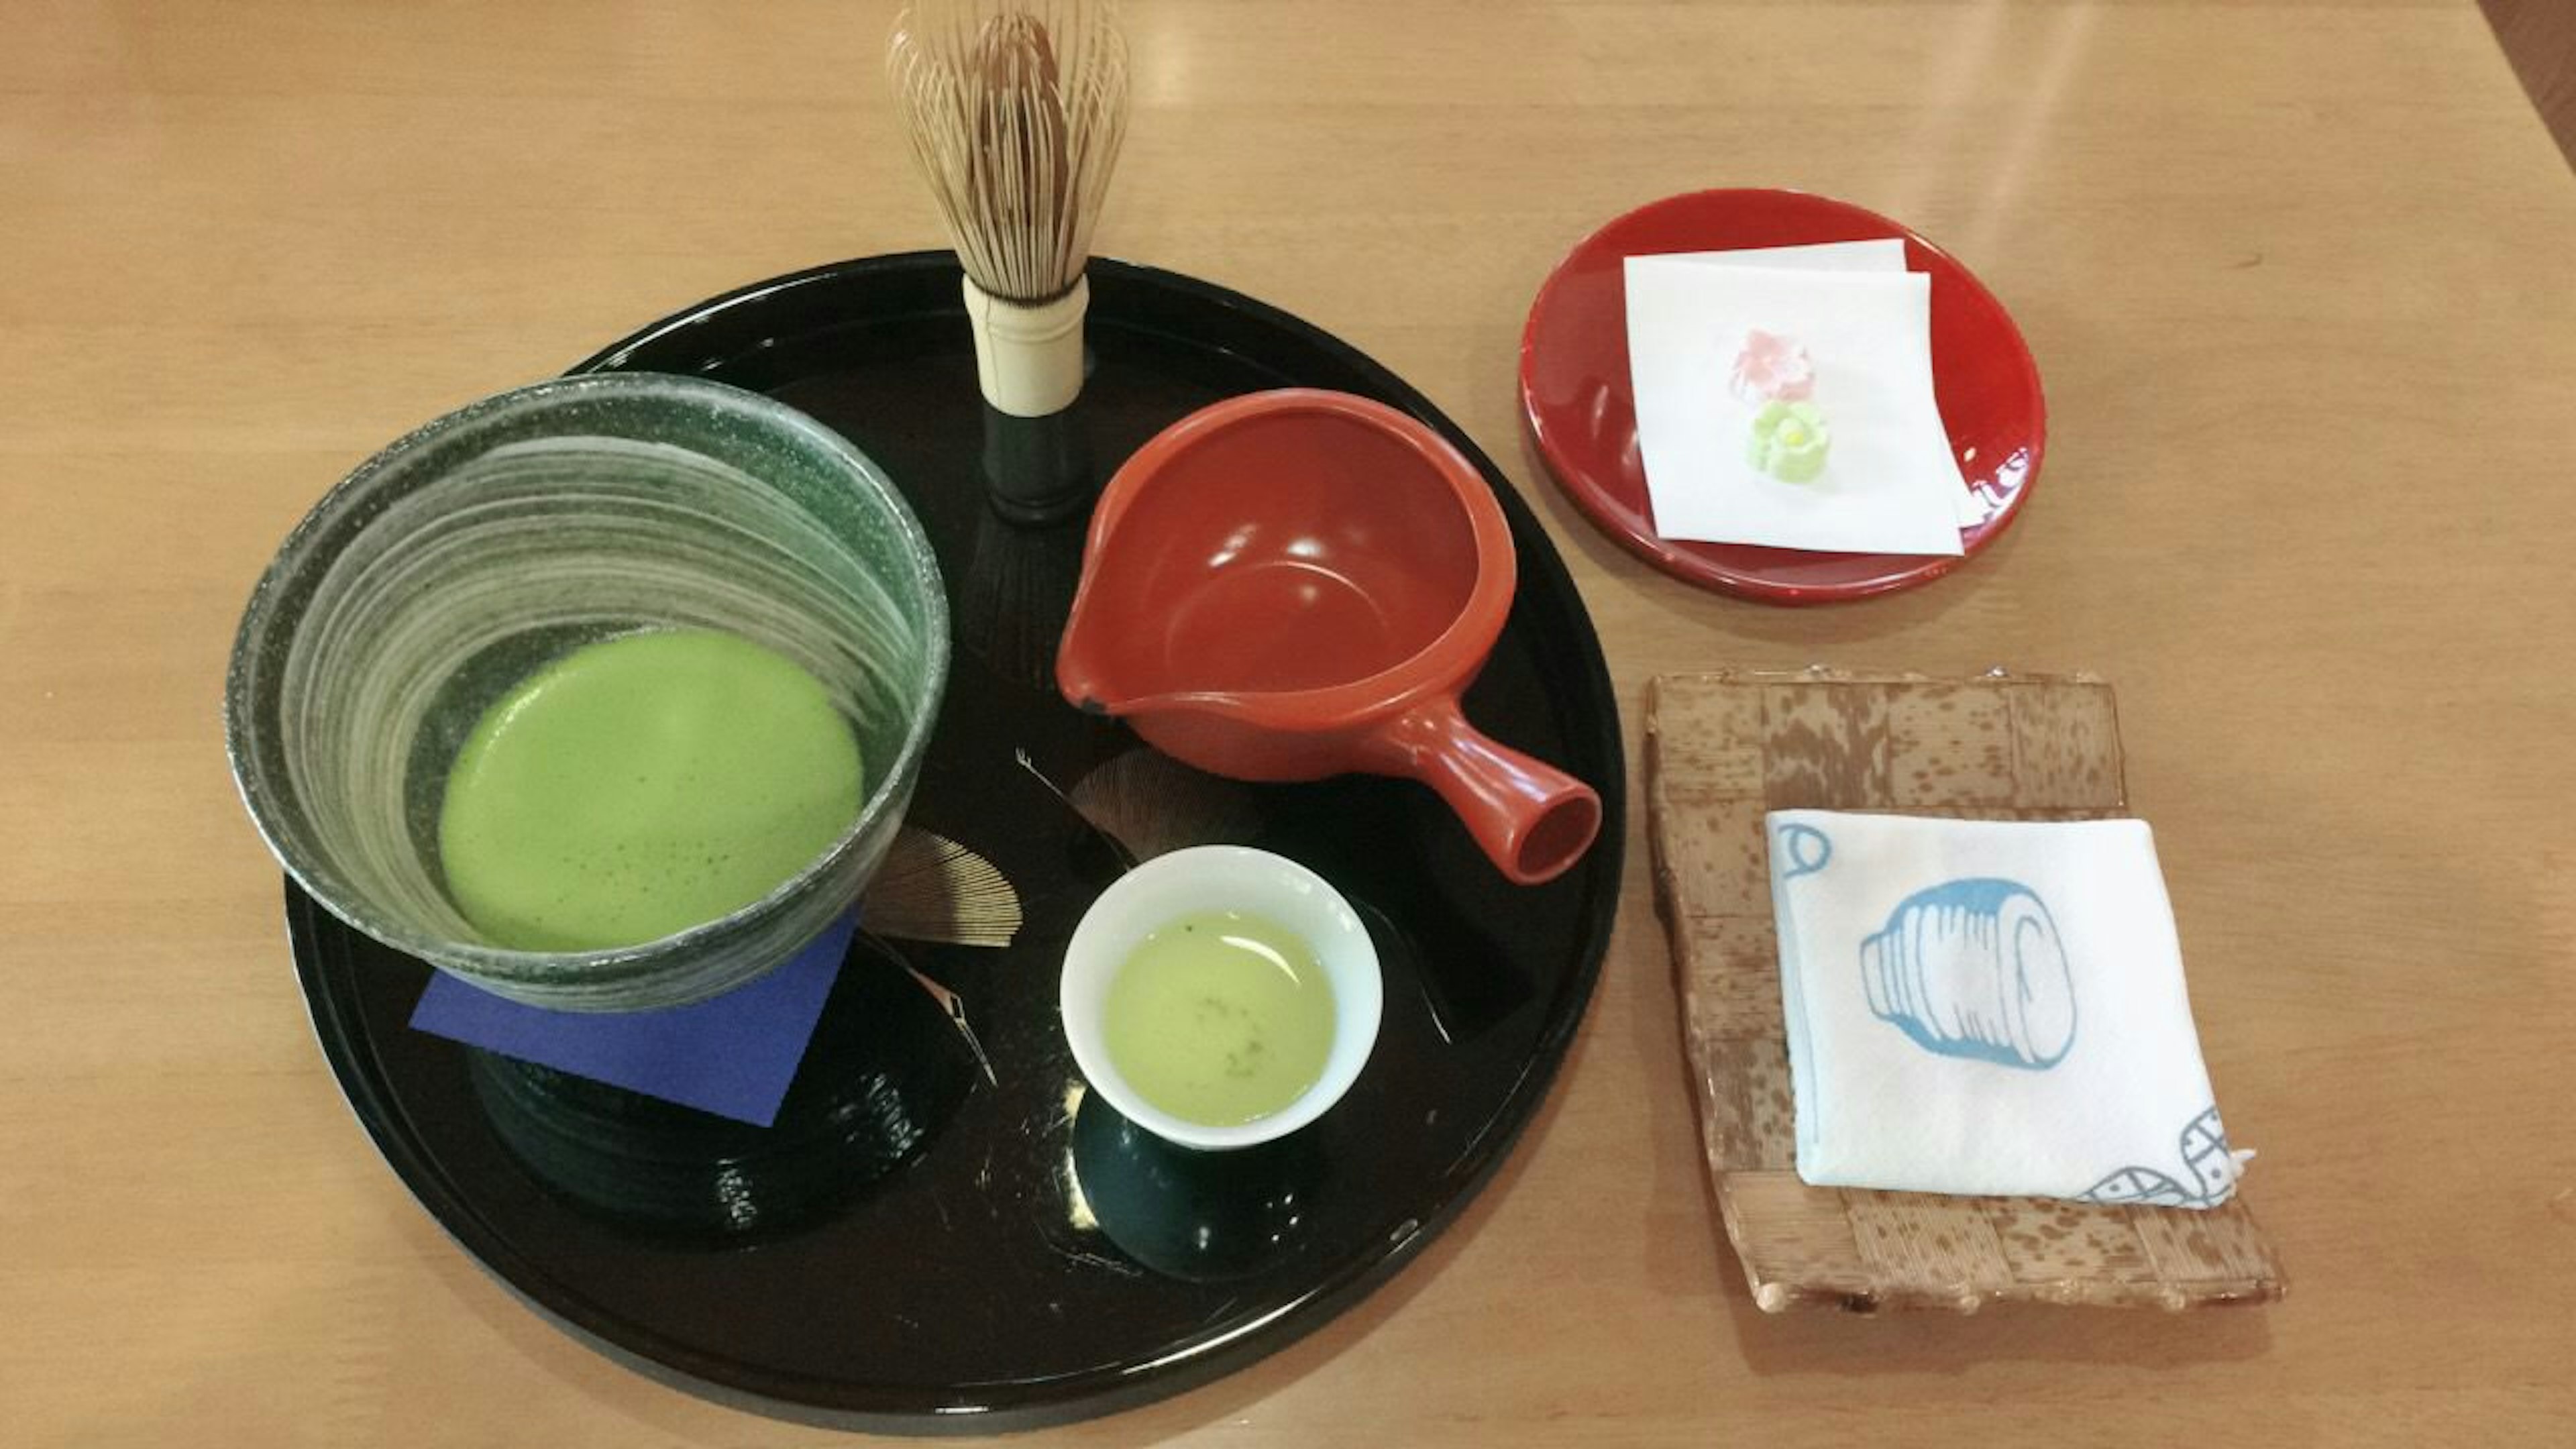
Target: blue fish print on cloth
[1975, 969]
[2207, 1164]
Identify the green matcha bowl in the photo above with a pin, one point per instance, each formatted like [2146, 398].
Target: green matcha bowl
[468, 556]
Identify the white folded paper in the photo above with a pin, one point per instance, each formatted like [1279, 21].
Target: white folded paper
[1990, 1007]
[1884, 254]
[1890, 484]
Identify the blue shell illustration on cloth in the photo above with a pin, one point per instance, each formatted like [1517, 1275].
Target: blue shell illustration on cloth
[1975, 969]
[2206, 1161]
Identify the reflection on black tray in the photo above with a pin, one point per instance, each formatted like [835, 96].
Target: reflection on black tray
[1207, 1217]
[1039, 470]
[883, 1073]
[1017, 591]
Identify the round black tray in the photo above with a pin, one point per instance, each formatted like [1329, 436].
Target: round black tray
[914, 1246]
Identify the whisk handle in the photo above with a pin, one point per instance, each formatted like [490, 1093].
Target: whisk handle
[1028, 357]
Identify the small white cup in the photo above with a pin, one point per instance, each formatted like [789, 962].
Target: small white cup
[1221, 878]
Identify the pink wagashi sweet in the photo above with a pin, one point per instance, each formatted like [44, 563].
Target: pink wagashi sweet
[1773, 369]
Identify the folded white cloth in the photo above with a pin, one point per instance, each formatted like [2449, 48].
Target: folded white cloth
[1990, 1007]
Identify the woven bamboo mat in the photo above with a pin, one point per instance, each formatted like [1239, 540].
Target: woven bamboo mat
[1723, 748]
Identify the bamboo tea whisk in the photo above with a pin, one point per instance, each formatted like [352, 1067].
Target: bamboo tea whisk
[1016, 110]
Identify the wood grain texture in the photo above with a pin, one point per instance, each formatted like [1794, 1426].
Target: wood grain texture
[2295, 272]
[1994, 747]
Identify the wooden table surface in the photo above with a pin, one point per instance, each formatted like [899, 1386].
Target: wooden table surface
[2301, 278]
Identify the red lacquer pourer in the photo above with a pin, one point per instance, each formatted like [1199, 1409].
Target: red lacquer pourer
[1294, 584]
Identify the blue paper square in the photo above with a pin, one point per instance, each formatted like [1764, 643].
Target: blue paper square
[733, 1055]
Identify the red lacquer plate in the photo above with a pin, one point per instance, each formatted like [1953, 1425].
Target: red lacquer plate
[1574, 392]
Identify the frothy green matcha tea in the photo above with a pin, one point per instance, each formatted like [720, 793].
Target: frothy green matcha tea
[640, 786]
[1220, 1018]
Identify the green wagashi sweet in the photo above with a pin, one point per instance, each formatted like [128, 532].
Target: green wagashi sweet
[1790, 441]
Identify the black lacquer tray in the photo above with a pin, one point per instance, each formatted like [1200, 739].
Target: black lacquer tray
[915, 1246]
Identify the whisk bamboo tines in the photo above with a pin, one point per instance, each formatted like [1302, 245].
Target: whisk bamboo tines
[1016, 109]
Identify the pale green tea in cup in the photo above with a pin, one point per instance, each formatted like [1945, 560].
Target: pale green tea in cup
[1220, 1018]
[1220, 997]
